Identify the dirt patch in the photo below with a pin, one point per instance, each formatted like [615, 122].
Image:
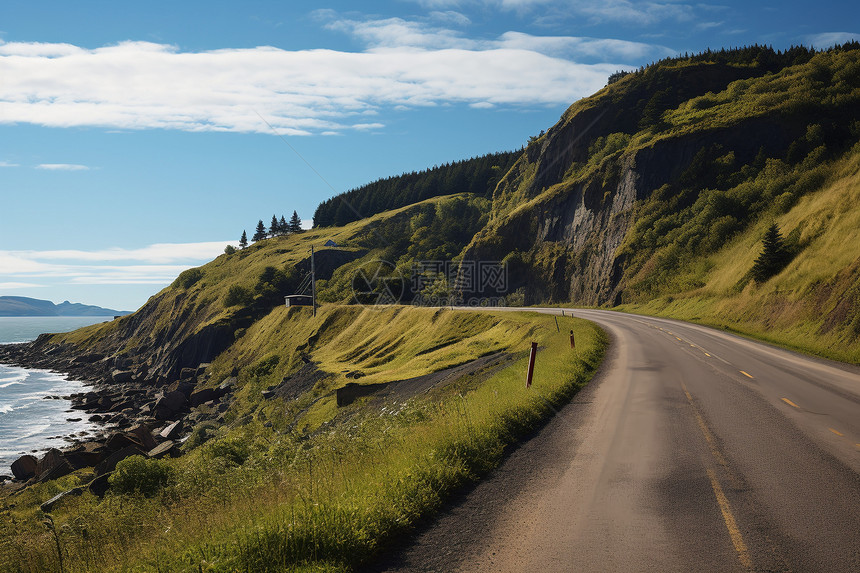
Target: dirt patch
[471, 372]
[301, 381]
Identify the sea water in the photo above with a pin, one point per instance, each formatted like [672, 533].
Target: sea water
[30, 423]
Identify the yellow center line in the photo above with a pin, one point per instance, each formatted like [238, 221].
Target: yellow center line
[790, 403]
[837, 432]
[731, 524]
[709, 437]
[746, 374]
[678, 338]
[706, 354]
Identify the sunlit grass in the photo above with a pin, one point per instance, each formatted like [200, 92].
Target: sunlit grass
[262, 499]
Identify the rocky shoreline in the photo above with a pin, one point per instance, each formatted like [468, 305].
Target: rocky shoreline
[137, 414]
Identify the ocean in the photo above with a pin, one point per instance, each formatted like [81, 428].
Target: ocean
[29, 423]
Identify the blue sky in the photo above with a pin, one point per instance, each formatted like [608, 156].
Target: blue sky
[137, 140]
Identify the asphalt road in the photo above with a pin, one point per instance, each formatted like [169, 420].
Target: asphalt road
[691, 450]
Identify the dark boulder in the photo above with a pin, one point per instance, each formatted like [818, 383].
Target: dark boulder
[172, 431]
[53, 465]
[109, 463]
[203, 395]
[24, 467]
[86, 455]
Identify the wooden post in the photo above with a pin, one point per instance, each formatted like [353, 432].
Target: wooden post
[531, 365]
[572, 341]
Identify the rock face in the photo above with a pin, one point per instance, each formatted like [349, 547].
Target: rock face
[568, 239]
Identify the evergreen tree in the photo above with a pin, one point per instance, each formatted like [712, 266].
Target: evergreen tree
[774, 255]
[260, 233]
[243, 240]
[282, 224]
[295, 225]
[274, 227]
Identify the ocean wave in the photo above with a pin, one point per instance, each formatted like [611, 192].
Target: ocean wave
[6, 408]
[34, 431]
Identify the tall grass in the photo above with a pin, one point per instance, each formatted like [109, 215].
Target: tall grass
[258, 499]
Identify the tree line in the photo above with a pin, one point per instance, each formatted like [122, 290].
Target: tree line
[478, 175]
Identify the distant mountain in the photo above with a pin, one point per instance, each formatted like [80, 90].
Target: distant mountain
[24, 306]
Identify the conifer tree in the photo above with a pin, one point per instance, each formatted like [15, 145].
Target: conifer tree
[274, 227]
[260, 233]
[295, 225]
[243, 240]
[282, 225]
[774, 255]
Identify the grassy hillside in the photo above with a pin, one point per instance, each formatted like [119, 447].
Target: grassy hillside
[813, 304]
[206, 308]
[298, 483]
[671, 202]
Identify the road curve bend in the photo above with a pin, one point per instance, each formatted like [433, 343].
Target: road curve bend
[691, 450]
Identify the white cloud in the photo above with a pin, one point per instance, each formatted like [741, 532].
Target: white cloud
[142, 85]
[8, 164]
[13, 286]
[400, 33]
[827, 39]
[62, 167]
[154, 264]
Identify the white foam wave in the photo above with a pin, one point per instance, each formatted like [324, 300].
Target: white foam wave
[35, 431]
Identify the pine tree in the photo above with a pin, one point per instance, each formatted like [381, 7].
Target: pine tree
[243, 240]
[774, 255]
[295, 225]
[260, 233]
[274, 227]
[282, 225]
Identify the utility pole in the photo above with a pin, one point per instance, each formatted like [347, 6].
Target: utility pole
[313, 282]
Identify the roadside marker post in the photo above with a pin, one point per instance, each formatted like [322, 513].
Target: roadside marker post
[557, 329]
[531, 365]
[572, 341]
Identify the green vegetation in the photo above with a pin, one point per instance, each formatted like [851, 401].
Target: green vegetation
[296, 485]
[638, 193]
[773, 258]
[477, 176]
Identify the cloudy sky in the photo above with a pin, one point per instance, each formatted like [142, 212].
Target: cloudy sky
[138, 140]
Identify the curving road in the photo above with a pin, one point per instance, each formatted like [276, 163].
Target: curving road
[692, 450]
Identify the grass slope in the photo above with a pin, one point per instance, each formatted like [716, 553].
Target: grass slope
[813, 305]
[268, 493]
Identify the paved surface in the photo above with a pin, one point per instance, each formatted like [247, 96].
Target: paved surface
[692, 450]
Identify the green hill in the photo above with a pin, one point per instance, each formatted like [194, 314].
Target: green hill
[652, 195]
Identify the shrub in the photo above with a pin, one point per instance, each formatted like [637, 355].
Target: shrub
[237, 295]
[140, 475]
[187, 278]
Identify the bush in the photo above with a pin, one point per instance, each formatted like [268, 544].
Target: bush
[187, 278]
[199, 435]
[140, 475]
[237, 296]
[229, 250]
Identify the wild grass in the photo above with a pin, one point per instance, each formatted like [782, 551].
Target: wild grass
[813, 304]
[260, 497]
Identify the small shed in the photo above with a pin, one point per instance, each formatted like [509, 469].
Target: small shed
[299, 300]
